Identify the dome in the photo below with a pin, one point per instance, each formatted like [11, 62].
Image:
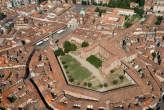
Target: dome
[82, 12]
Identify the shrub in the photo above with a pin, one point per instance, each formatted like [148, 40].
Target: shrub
[121, 77]
[78, 83]
[84, 44]
[59, 52]
[74, 1]
[67, 72]
[100, 85]
[100, 11]
[65, 66]
[71, 79]
[69, 47]
[159, 19]
[2, 16]
[89, 84]
[139, 11]
[12, 99]
[112, 71]
[115, 81]
[127, 24]
[73, 47]
[63, 62]
[105, 85]
[85, 83]
[154, 54]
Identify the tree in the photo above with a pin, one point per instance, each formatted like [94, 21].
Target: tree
[100, 85]
[12, 98]
[100, 11]
[112, 71]
[162, 37]
[40, 1]
[85, 44]
[119, 4]
[23, 42]
[154, 55]
[139, 11]
[115, 82]
[97, 9]
[73, 47]
[105, 85]
[65, 66]
[127, 24]
[121, 77]
[141, 2]
[69, 47]
[85, 83]
[59, 52]
[67, 72]
[71, 79]
[89, 84]
[84, 2]
[2, 16]
[67, 44]
[159, 19]
[9, 28]
[63, 62]
[88, 3]
[66, 1]
[74, 1]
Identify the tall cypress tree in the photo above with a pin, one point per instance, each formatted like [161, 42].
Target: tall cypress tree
[141, 2]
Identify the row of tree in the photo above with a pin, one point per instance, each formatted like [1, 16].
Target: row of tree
[120, 3]
[68, 47]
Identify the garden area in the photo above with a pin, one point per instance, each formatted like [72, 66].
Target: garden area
[117, 78]
[129, 20]
[94, 61]
[78, 75]
[74, 71]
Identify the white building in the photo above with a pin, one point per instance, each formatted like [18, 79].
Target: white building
[73, 24]
[158, 8]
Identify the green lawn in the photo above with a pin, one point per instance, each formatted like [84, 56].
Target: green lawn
[94, 61]
[74, 69]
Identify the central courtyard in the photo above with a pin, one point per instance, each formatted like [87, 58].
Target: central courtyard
[78, 73]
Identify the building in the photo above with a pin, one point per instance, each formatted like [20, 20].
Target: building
[120, 11]
[158, 8]
[133, 5]
[17, 3]
[147, 6]
[113, 56]
[73, 24]
[113, 19]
